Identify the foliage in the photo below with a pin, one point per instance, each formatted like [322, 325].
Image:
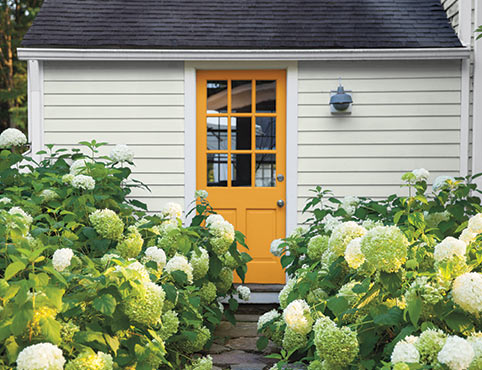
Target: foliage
[64, 280]
[402, 273]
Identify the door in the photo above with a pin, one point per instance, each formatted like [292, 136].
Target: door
[241, 158]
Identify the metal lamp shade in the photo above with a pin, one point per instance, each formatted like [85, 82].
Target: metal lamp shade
[341, 100]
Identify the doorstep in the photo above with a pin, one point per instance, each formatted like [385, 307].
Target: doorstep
[261, 293]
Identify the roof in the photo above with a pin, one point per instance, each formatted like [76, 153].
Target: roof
[241, 24]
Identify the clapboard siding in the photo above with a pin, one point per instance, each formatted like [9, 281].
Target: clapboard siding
[136, 103]
[405, 115]
[452, 9]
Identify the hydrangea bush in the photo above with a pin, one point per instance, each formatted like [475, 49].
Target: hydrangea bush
[90, 280]
[393, 283]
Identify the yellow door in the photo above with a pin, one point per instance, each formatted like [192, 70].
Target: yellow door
[241, 158]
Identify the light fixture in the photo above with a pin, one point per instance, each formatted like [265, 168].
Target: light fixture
[340, 100]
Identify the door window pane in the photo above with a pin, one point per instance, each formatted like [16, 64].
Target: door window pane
[241, 96]
[266, 133]
[266, 96]
[241, 169]
[217, 93]
[265, 170]
[217, 170]
[240, 133]
[217, 133]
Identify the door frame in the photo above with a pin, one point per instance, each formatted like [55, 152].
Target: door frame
[190, 128]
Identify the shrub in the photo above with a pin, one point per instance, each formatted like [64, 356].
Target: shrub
[398, 283]
[84, 269]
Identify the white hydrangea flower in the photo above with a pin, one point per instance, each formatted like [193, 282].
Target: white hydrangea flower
[172, 210]
[467, 292]
[106, 258]
[121, 153]
[41, 356]
[475, 223]
[67, 178]
[180, 263]
[267, 317]
[203, 194]
[48, 195]
[421, 174]
[244, 292]
[353, 254]
[61, 258]
[448, 248]
[370, 224]
[213, 219]
[405, 351]
[349, 204]
[441, 181]
[297, 316]
[457, 353]
[83, 182]
[12, 137]
[467, 236]
[136, 266]
[299, 231]
[5, 200]
[275, 248]
[26, 218]
[343, 234]
[157, 255]
[331, 222]
[79, 166]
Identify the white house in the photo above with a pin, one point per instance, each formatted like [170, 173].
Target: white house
[234, 97]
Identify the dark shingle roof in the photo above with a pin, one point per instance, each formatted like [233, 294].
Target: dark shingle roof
[241, 24]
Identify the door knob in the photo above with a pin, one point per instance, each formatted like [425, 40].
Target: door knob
[280, 178]
[280, 203]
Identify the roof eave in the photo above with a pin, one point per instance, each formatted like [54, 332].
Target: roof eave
[252, 55]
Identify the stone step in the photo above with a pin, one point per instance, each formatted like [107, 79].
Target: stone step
[242, 329]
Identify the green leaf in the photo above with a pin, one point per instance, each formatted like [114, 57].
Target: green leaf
[55, 296]
[13, 269]
[337, 305]
[261, 343]
[390, 318]
[179, 276]
[287, 260]
[233, 304]
[459, 322]
[50, 329]
[414, 310]
[105, 304]
[392, 282]
[112, 342]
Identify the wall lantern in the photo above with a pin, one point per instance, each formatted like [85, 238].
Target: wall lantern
[340, 100]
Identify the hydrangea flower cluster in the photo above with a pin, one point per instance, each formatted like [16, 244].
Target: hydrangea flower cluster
[284, 293]
[275, 248]
[421, 174]
[172, 211]
[467, 292]
[432, 220]
[353, 254]
[121, 153]
[467, 236]
[107, 224]
[421, 287]
[244, 292]
[429, 345]
[330, 222]
[83, 182]
[131, 245]
[405, 351]
[476, 342]
[317, 246]
[344, 234]
[137, 267]
[441, 182]
[12, 137]
[192, 345]
[91, 361]
[457, 353]
[268, 317]
[349, 204]
[222, 232]
[337, 346]
[48, 194]
[200, 263]
[21, 215]
[202, 194]
[448, 248]
[201, 363]
[67, 178]
[169, 324]
[475, 223]
[208, 292]
[61, 258]
[41, 356]
[144, 306]
[5, 200]
[293, 340]
[157, 255]
[79, 166]
[180, 263]
[297, 316]
[385, 248]
[40, 313]
[225, 280]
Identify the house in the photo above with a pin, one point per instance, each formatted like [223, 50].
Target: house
[234, 97]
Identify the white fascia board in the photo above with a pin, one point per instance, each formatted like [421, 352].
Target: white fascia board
[198, 55]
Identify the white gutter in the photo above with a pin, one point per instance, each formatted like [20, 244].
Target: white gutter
[255, 55]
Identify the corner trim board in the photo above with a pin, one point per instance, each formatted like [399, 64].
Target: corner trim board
[35, 106]
[252, 54]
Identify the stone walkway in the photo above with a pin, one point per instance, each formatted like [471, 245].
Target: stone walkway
[235, 346]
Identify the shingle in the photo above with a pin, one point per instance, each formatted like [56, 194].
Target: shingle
[241, 24]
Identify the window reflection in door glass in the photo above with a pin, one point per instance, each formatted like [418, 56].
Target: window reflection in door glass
[217, 169]
[241, 96]
[217, 94]
[265, 170]
[266, 133]
[240, 133]
[241, 169]
[217, 133]
[266, 96]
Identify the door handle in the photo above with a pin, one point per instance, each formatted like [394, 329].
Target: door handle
[280, 203]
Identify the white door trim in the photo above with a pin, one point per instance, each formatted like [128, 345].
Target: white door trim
[291, 175]
[35, 96]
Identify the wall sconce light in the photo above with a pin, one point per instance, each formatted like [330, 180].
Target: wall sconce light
[340, 101]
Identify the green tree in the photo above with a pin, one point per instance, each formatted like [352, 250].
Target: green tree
[16, 17]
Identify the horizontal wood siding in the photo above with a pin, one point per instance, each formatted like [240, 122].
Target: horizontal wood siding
[140, 104]
[452, 9]
[405, 115]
